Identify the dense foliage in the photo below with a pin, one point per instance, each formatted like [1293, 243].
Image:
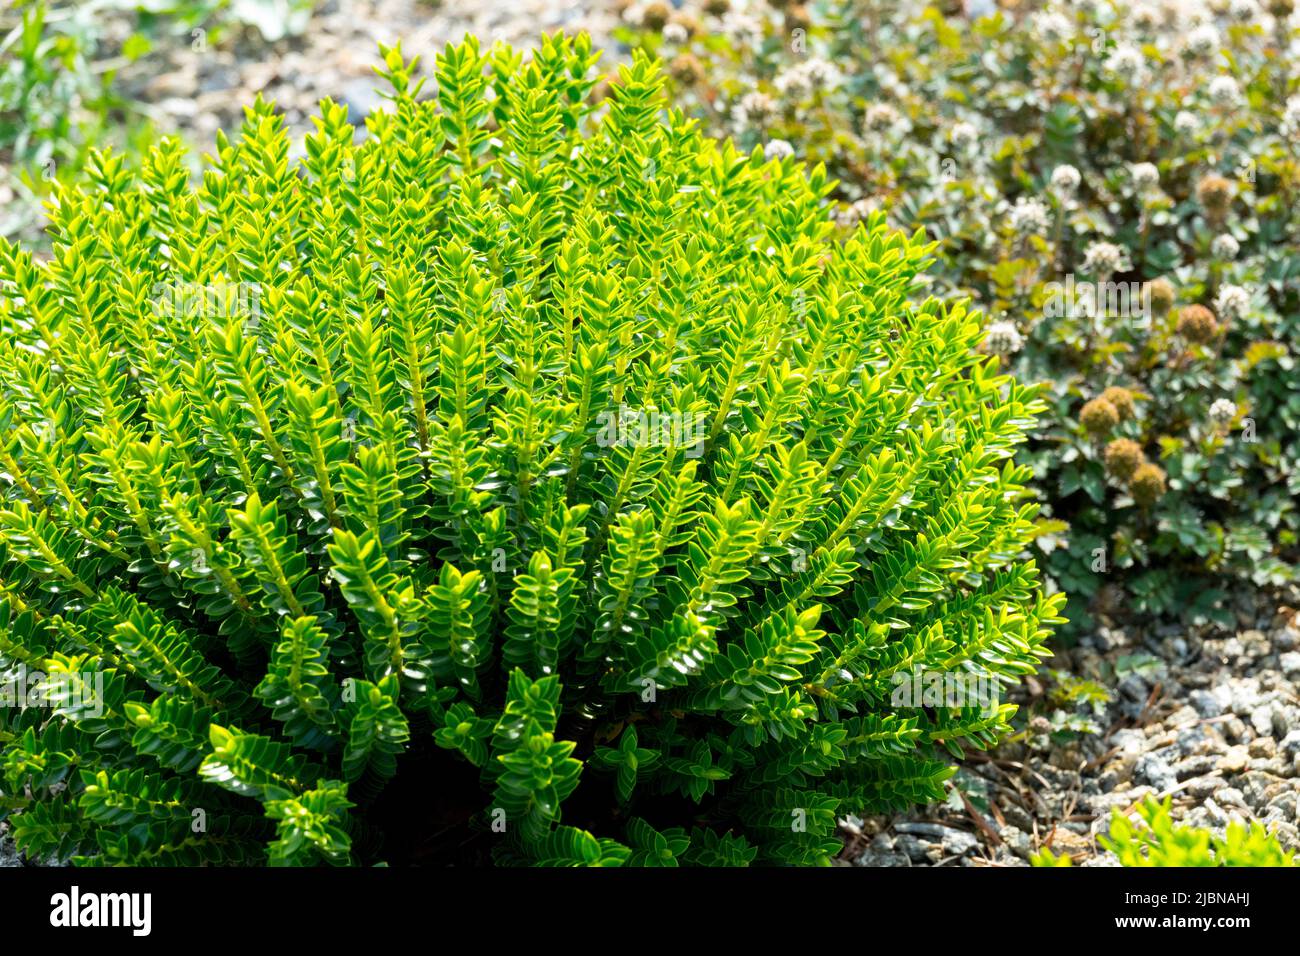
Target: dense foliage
[535, 478]
[1117, 186]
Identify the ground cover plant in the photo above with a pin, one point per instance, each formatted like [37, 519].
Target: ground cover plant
[1116, 185]
[1157, 841]
[536, 481]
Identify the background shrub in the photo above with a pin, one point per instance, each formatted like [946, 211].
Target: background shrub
[1075, 145]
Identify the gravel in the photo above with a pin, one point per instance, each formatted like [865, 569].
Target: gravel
[1218, 735]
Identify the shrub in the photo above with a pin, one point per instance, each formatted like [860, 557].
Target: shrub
[1120, 198]
[1158, 842]
[533, 478]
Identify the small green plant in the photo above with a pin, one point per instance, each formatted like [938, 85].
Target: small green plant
[1158, 842]
[535, 479]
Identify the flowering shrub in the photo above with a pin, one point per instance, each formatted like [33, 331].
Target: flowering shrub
[1117, 186]
[520, 481]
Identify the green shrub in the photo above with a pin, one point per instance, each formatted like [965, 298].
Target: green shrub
[534, 478]
[1051, 152]
[1160, 843]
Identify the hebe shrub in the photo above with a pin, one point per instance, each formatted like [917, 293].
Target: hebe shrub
[560, 493]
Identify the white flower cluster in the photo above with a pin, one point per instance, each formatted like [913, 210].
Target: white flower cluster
[1105, 259]
[1145, 18]
[1128, 63]
[1202, 42]
[880, 118]
[1187, 13]
[1029, 217]
[814, 73]
[856, 212]
[1291, 116]
[1052, 27]
[1224, 246]
[1185, 123]
[1145, 176]
[777, 149]
[1222, 412]
[963, 136]
[1233, 302]
[742, 29]
[1003, 339]
[1065, 181]
[753, 109]
[1224, 91]
[675, 33]
[1243, 11]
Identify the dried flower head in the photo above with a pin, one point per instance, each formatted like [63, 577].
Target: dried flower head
[1215, 195]
[797, 18]
[1160, 293]
[654, 15]
[1122, 458]
[1147, 486]
[1122, 399]
[1098, 417]
[686, 69]
[1197, 324]
[717, 8]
